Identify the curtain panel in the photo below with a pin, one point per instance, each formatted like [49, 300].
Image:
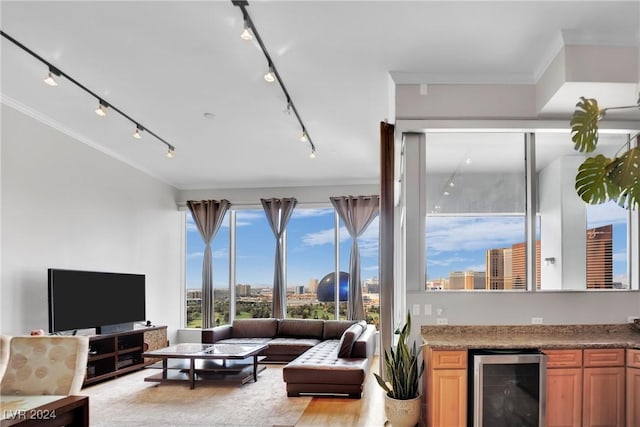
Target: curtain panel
[278, 213]
[357, 212]
[208, 216]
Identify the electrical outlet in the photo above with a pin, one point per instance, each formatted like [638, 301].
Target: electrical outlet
[536, 320]
[442, 321]
[416, 309]
[427, 309]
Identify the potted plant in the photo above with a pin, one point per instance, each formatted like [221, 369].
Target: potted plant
[403, 368]
[601, 178]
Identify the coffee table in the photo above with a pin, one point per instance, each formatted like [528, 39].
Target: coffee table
[224, 362]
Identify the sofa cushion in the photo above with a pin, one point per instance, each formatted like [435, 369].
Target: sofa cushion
[320, 365]
[292, 346]
[349, 338]
[300, 328]
[333, 329]
[244, 341]
[254, 328]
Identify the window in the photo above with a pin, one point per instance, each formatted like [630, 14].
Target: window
[475, 224]
[255, 253]
[310, 265]
[475, 218]
[194, 257]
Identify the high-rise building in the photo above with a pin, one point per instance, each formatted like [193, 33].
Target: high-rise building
[313, 286]
[498, 268]
[466, 280]
[519, 265]
[243, 290]
[600, 257]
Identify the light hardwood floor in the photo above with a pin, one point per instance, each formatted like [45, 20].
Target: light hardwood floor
[337, 411]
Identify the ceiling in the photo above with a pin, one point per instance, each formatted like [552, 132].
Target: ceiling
[167, 63]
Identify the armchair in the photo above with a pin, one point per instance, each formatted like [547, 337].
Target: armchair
[44, 365]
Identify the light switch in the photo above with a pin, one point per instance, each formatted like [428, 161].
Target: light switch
[416, 309]
[427, 309]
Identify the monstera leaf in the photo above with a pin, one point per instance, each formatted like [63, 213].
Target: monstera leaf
[624, 172]
[584, 124]
[593, 183]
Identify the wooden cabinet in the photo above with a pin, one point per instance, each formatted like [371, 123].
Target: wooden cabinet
[564, 388]
[603, 402]
[446, 387]
[585, 388]
[115, 354]
[633, 388]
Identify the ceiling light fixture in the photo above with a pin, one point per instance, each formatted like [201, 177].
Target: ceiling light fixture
[170, 152]
[102, 104]
[273, 71]
[102, 108]
[270, 76]
[246, 34]
[138, 132]
[303, 136]
[49, 79]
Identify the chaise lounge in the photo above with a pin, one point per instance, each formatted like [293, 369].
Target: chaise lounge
[322, 356]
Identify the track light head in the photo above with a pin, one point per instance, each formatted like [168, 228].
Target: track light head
[49, 79]
[138, 132]
[170, 152]
[303, 136]
[246, 33]
[313, 154]
[102, 108]
[270, 76]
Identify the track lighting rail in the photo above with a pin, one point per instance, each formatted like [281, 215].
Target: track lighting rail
[103, 104]
[248, 22]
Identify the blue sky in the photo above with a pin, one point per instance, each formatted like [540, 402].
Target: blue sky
[453, 244]
[310, 249]
[459, 243]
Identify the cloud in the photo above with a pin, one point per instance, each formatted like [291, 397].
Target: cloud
[367, 242]
[620, 257]
[606, 213]
[311, 213]
[369, 268]
[448, 234]
[221, 253]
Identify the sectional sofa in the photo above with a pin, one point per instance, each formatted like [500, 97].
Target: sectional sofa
[321, 356]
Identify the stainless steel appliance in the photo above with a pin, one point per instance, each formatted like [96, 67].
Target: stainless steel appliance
[508, 388]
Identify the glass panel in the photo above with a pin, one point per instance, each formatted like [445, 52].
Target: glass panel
[310, 262]
[255, 253]
[582, 246]
[195, 255]
[475, 197]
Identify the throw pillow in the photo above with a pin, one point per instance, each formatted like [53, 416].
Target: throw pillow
[349, 338]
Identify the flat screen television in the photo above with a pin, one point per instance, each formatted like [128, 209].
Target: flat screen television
[109, 302]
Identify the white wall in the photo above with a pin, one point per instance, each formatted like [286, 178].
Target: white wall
[67, 205]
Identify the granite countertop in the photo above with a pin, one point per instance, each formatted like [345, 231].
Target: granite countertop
[531, 336]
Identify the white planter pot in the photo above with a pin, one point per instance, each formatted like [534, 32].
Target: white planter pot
[402, 413]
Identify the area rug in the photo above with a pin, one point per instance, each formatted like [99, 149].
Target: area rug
[132, 402]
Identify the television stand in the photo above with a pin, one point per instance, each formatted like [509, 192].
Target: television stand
[118, 353]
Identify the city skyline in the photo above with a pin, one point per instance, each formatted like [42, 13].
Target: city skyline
[452, 244]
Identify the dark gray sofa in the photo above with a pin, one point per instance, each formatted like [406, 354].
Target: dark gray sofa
[322, 356]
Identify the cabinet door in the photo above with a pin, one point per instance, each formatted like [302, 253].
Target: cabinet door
[564, 397]
[448, 398]
[633, 397]
[603, 398]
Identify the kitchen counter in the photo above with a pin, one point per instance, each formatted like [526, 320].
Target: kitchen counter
[530, 336]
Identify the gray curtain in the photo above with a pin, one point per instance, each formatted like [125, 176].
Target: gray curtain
[356, 213]
[208, 215]
[278, 213]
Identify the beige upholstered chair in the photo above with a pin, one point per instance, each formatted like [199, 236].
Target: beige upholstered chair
[4, 353]
[45, 365]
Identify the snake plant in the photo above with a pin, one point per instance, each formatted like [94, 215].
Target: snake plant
[403, 367]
